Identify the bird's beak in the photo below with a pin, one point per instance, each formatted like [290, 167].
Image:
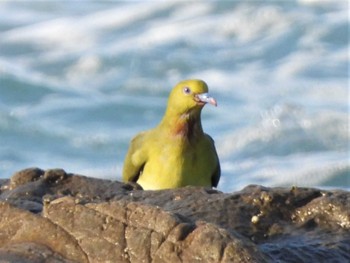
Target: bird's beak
[205, 98]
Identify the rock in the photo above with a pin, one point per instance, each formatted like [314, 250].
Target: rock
[30, 253]
[54, 216]
[19, 227]
[25, 176]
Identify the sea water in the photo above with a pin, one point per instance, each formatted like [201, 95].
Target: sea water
[79, 80]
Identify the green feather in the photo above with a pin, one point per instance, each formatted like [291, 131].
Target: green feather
[177, 152]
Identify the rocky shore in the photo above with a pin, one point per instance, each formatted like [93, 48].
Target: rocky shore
[54, 216]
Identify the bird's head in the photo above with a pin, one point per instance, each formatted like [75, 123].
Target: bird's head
[190, 95]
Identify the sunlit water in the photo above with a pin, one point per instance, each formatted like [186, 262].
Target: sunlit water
[78, 81]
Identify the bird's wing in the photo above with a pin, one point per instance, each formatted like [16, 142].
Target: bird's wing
[216, 175]
[217, 172]
[135, 159]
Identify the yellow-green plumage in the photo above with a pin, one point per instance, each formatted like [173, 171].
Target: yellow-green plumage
[177, 152]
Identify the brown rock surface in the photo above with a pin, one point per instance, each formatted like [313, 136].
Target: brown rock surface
[52, 216]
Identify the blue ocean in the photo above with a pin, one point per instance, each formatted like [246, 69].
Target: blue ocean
[79, 79]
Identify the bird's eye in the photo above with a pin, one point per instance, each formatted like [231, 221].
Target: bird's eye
[187, 90]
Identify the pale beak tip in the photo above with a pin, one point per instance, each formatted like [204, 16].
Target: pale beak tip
[205, 98]
[213, 102]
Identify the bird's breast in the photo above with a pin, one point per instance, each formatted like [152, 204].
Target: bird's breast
[175, 163]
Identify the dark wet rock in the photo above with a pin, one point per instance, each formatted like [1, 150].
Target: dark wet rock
[54, 216]
[4, 184]
[25, 176]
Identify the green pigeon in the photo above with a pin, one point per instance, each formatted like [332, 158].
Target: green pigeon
[177, 152]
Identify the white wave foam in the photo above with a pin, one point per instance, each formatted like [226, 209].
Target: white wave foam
[302, 170]
[285, 129]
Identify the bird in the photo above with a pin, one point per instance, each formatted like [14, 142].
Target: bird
[177, 152]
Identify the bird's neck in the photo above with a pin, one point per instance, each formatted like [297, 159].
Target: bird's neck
[185, 125]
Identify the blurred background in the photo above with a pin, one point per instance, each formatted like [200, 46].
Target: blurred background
[79, 80]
